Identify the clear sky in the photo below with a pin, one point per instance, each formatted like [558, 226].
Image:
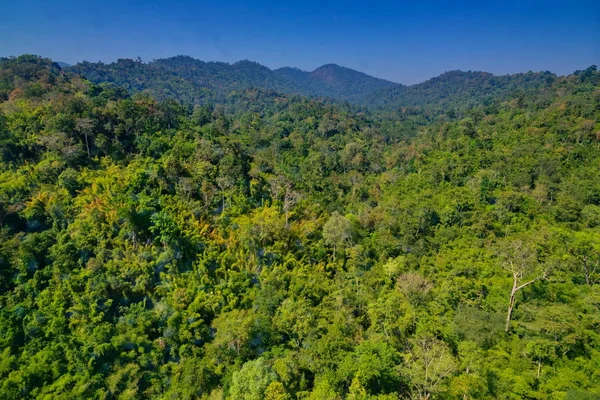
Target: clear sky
[403, 41]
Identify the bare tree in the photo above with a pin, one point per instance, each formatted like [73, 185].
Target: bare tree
[290, 198]
[414, 286]
[336, 231]
[519, 259]
[282, 189]
[85, 126]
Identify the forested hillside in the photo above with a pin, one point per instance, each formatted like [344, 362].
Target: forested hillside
[198, 82]
[458, 90]
[193, 81]
[335, 82]
[277, 247]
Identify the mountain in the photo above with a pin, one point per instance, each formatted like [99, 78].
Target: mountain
[63, 64]
[337, 82]
[461, 89]
[196, 81]
[184, 78]
[26, 74]
[222, 77]
[193, 81]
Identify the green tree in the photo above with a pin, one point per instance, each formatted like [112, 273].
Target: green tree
[428, 363]
[253, 381]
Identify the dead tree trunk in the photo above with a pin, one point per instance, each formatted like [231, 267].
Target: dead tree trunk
[87, 145]
[513, 293]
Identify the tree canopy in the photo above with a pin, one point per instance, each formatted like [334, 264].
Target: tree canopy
[268, 245]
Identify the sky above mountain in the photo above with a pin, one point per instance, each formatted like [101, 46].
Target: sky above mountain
[401, 41]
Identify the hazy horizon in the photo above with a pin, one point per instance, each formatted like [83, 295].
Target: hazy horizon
[405, 43]
[300, 69]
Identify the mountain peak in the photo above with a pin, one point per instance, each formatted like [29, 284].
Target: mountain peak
[242, 64]
[330, 66]
[247, 62]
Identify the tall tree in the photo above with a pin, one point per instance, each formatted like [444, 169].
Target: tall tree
[520, 260]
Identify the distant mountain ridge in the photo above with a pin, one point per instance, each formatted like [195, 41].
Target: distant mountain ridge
[332, 80]
[462, 89]
[195, 81]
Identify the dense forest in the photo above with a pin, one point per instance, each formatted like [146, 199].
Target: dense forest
[264, 245]
[196, 82]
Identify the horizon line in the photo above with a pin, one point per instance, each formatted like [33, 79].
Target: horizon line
[139, 59]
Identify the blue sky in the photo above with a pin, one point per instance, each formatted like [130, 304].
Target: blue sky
[403, 41]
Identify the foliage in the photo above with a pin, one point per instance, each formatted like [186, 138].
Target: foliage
[273, 246]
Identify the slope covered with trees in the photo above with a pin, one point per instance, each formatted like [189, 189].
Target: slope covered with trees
[278, 247]
[193, 81]
[459, 90]
[336, 82]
